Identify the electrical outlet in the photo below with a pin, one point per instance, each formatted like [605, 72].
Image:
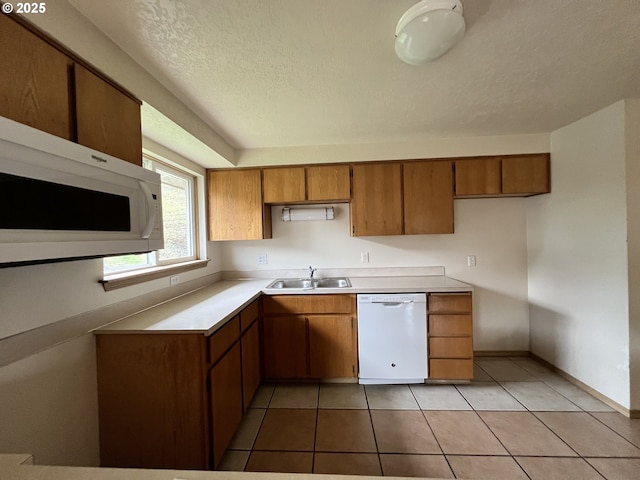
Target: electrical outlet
[364, 257]
[174, 280]
[262, 259]
[471, 260]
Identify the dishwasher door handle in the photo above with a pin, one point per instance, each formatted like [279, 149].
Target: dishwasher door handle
[392, 304]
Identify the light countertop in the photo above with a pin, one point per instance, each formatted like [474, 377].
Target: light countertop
[209, 308]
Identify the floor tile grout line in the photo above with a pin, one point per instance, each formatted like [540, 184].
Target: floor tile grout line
[315, 431]
[424, 414]
[591, 414]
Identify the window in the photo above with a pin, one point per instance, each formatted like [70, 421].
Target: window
[179, 221]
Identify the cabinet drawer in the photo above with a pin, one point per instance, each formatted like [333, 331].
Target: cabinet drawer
[248, 315]
[450, 347]
[450, 302]
[309, 304]
[222, 340]
[445, 369]
[450, 325]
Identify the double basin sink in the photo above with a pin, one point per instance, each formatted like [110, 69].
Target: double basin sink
[309, 283]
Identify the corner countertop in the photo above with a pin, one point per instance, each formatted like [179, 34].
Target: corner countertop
[208, 309]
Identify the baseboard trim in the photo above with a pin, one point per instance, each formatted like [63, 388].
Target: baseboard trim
[502, 353]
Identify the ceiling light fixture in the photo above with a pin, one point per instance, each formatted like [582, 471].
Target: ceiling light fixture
[428, 29]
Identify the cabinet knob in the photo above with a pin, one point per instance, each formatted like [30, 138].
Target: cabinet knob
[393, 364]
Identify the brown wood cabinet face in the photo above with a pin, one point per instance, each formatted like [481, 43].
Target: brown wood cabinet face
[309, 304]
[309, 336]
[450, 369]
[235, 209]
[35, 81]
[478, 176]
[249, 315]
[226, 400]
[328, 183]
[143, 379]
[251, 377]
[450, 347]
[285, 347]
[428, 197]
[376, 204]
[332, 346]
[284, 185]
[526, 174]
[449, 303]
[450, 332]
[222, 340]
[107, 119]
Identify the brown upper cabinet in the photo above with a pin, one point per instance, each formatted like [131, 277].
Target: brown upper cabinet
[236, 210]
[107, 120]
[306, 184]
[284, 185]
[34, 79]
[516, 175]
[328, 183]
[526, 174]
[376, 203]
[481, 176]
[42, 82]
[428, 197]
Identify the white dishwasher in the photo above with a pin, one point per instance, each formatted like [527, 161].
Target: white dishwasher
[392, 338]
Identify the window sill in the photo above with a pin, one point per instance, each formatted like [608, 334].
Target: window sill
[120, 280]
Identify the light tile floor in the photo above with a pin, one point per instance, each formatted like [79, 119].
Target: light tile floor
[517, 419]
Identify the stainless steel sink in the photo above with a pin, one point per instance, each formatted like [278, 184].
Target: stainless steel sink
[333, 282]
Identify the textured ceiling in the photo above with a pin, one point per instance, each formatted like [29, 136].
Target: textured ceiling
[274, 73]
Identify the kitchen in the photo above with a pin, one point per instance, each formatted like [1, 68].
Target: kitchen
[575, 311]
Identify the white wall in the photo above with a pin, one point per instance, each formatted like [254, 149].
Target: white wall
[578, 256]
[491, 229]
[49, 405]
[48, 401]
[632, 133]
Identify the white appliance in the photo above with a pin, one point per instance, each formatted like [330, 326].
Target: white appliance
[60, 200]
[392, 338]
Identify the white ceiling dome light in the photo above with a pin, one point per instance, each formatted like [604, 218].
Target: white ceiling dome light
[428, 30]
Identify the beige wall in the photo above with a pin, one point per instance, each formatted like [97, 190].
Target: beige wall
[491, 229]
[578, 275]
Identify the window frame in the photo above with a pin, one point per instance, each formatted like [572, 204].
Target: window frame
[170, 267]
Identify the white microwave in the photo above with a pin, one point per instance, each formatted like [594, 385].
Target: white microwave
[61, 201]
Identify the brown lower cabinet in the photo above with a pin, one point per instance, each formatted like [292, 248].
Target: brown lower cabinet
[310, 336]
[174, 400]
[450, 335]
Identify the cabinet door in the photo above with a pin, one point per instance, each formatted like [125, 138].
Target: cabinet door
[250, 343]
[226, 400]
[526, 174]
[332, 346]
[35, 81]
[151, 399]
[376, 205]
[285, 342]
[235, 206]
[107, 119]
[428, 197]
[328, 183]
[478, 176]
[284, 185]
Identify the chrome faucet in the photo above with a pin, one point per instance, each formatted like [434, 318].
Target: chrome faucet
[311, 271]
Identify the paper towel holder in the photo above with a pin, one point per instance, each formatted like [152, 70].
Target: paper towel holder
[294, 214]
